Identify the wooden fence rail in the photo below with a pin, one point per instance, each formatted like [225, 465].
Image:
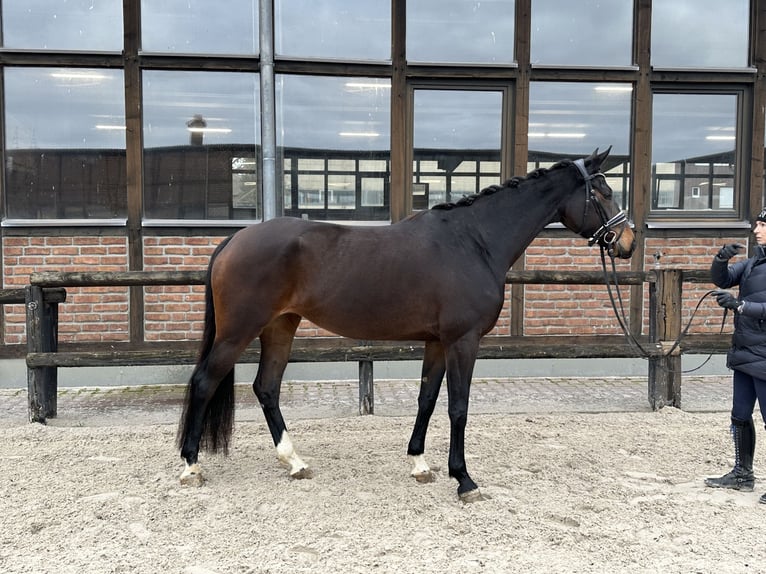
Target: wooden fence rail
[43, 358]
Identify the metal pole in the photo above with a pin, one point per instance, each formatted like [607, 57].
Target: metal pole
[268, 114]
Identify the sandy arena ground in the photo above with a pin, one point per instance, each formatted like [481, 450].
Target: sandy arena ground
[567, 493]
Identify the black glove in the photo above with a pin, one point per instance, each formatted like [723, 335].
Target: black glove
[726, 300]
[730, 250]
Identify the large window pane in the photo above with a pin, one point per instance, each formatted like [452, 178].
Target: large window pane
[201, 131]
[200, 26]
[568, 120]
[334, 137]
[359, 30]
[457, 140]
[72, 25]
[460, 31]
[563, 33]
[694, 142]
[700, 33]
[65, 142]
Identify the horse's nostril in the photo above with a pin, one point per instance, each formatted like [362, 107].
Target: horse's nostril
[626, 253]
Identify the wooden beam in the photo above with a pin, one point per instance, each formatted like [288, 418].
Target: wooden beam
[132, 278]
[665, 370]
[520, 152]
[641, 145]
[366, 389]
[17, 296]
[115, 278]
[577, 277]
[134, 161]
[42, 337]
[338, 349]
[758, 120]
[401, 164]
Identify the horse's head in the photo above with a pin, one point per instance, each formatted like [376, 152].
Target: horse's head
[593, 213]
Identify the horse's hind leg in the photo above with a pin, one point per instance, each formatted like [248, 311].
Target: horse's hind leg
[276, 342]
[434, 367]
[209, 409]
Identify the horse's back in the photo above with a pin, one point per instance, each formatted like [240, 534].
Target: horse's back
[310, 242]
[301, 254]
[291, 243]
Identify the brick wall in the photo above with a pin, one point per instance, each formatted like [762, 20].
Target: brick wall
[174, 313]
[90, 314]
[692, 253]
[569, 309]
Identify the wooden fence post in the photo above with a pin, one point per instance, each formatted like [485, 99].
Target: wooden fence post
[366, 389]
[42, 337]
[51, 344]
[664, 329]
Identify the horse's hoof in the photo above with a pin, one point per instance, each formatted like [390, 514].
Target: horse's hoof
[303, 473]
[424, 477]
[191, 476]
[474, 495]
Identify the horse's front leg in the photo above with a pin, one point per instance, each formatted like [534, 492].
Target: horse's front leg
[461, 357]
[276, 342]
[432, 375]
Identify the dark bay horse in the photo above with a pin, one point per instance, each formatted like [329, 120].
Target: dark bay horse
[437, 276]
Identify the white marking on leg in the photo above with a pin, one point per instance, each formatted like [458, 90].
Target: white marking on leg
[192, 475]
[287, 455]
[420, 466]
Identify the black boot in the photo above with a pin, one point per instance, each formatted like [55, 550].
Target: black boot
[741, 476]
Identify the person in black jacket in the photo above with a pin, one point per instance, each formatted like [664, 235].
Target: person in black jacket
[747, 355]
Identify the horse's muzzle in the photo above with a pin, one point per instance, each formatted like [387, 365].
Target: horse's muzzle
[623, 247]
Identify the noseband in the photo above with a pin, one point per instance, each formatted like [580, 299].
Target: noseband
[605, 235]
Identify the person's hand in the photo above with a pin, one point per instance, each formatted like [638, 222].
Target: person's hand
[730, 250]
[726, 299]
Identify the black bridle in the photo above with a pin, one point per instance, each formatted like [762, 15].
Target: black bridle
[605, 235]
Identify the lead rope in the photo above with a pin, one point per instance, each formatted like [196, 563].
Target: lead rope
[620, 314]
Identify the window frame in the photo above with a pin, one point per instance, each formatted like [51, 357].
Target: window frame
[659, 217]
[210, 151]
[507, 103]
[62, 155]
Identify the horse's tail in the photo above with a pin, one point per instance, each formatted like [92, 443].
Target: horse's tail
[218, 418]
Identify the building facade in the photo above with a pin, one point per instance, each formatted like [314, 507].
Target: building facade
[136, 135]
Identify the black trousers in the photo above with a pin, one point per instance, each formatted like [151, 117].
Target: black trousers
[746, 390]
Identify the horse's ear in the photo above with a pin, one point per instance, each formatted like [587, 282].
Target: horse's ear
[596, 160]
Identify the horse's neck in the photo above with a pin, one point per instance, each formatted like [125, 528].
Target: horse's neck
[511, 219]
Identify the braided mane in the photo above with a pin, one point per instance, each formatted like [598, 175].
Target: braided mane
[514, 182]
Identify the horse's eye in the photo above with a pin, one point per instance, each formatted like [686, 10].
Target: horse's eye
[603, 187]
